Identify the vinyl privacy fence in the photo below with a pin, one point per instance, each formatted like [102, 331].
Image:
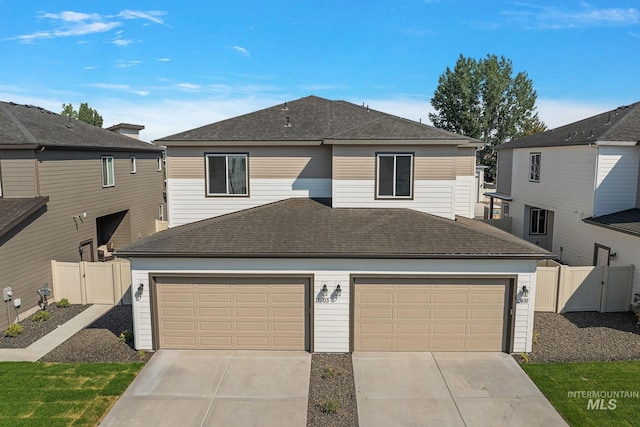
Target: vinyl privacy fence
[562, 289]
[92, 282]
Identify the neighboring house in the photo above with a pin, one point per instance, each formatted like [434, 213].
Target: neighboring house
[330, 227]
[68, 188]
[575, 190]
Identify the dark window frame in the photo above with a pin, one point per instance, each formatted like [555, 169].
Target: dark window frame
[395, 156]
[535, 160]
[226, 155]
[536, 212]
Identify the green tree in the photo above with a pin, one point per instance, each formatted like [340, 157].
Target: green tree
[482, 99]
[84, 114]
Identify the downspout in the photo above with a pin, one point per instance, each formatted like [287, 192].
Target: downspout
[36, 168]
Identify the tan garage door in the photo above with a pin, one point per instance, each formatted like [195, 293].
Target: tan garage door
[231, 313]
[429, 314]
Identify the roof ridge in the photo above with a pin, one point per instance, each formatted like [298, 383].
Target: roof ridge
[18, 124]
[632, 108]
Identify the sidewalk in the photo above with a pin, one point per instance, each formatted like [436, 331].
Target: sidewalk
[56, 337]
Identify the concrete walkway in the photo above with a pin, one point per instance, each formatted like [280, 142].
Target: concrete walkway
[217, 388]
[56, 337]
[448, 389]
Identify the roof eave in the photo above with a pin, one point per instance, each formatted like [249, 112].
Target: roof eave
[249, 143]
[43, 200]
[406, 141]
[133, 254]
[610, 227]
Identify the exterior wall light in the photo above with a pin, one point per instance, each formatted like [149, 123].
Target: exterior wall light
[612, 256]
[325, 291]
[338, 291]
[525, 291]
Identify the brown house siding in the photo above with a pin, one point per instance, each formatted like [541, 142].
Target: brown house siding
[73, 182]
[264, 162]
[359, 163]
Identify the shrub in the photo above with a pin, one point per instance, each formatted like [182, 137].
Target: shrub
[525, 357]
[329, 372]
[330, 406]
[126, 337]
[64, 302]
[41, 316]
[14, 330]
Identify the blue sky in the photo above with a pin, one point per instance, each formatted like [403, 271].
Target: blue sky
[172, 66]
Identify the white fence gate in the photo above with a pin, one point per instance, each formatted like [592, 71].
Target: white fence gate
[92, 282]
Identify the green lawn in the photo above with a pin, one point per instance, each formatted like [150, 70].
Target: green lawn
[567, 386]
[52, 394]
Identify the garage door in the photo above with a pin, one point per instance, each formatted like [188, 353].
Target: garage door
[231, 313]
[430, 314]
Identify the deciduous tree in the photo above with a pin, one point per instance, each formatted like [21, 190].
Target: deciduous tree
[484, 100]
[84, 114]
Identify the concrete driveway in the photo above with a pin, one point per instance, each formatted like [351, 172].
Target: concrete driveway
[447, 389]
[217, 388]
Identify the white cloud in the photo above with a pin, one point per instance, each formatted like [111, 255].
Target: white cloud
[531, 16]
[559, 112]
[163, 59]
[188, 86]
[73, 24]
[122, 42]
[89, 67]
[242, 50]
[127, 64]
[151, 15]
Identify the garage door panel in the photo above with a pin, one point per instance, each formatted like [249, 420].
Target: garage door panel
[215, 326]
[429, 314]
[228, 313]
[411, 313]
[214, 311]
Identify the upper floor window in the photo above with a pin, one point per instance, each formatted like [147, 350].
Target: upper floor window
[227, 174]
[394, 175]
[159, 163]
[108, 174]
[538, 221]
[534, 167]
[132, 164]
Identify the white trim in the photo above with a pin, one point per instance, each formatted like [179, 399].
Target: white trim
[226, 173]
[108, 163]
[395, 175]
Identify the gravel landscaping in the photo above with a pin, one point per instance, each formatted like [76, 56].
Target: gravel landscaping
[331, 385]
[584, 336]
[33, 331]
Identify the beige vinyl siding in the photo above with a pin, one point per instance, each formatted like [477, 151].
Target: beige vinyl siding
[465, 162]
[73, 183]
[264, 162]
[18, 169]
[505, 171]
[359, 163]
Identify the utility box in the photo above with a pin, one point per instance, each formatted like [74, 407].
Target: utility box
[7, 294]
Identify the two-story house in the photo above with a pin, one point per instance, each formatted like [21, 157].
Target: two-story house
[68, 189]
[328, 226]
[575, 190]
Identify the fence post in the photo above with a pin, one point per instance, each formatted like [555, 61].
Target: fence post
[117, 285]
[83, 281]
[54, 281]
[604, 281]
[558, 285]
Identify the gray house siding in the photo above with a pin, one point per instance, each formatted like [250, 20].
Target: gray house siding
[18, 173]
[73, 182]
[505, 169]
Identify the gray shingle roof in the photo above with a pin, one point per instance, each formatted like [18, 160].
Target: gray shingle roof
[627, 221]
[14, 211]
[621, 124]
[29, 125]
[301, 227]
[314, 119]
